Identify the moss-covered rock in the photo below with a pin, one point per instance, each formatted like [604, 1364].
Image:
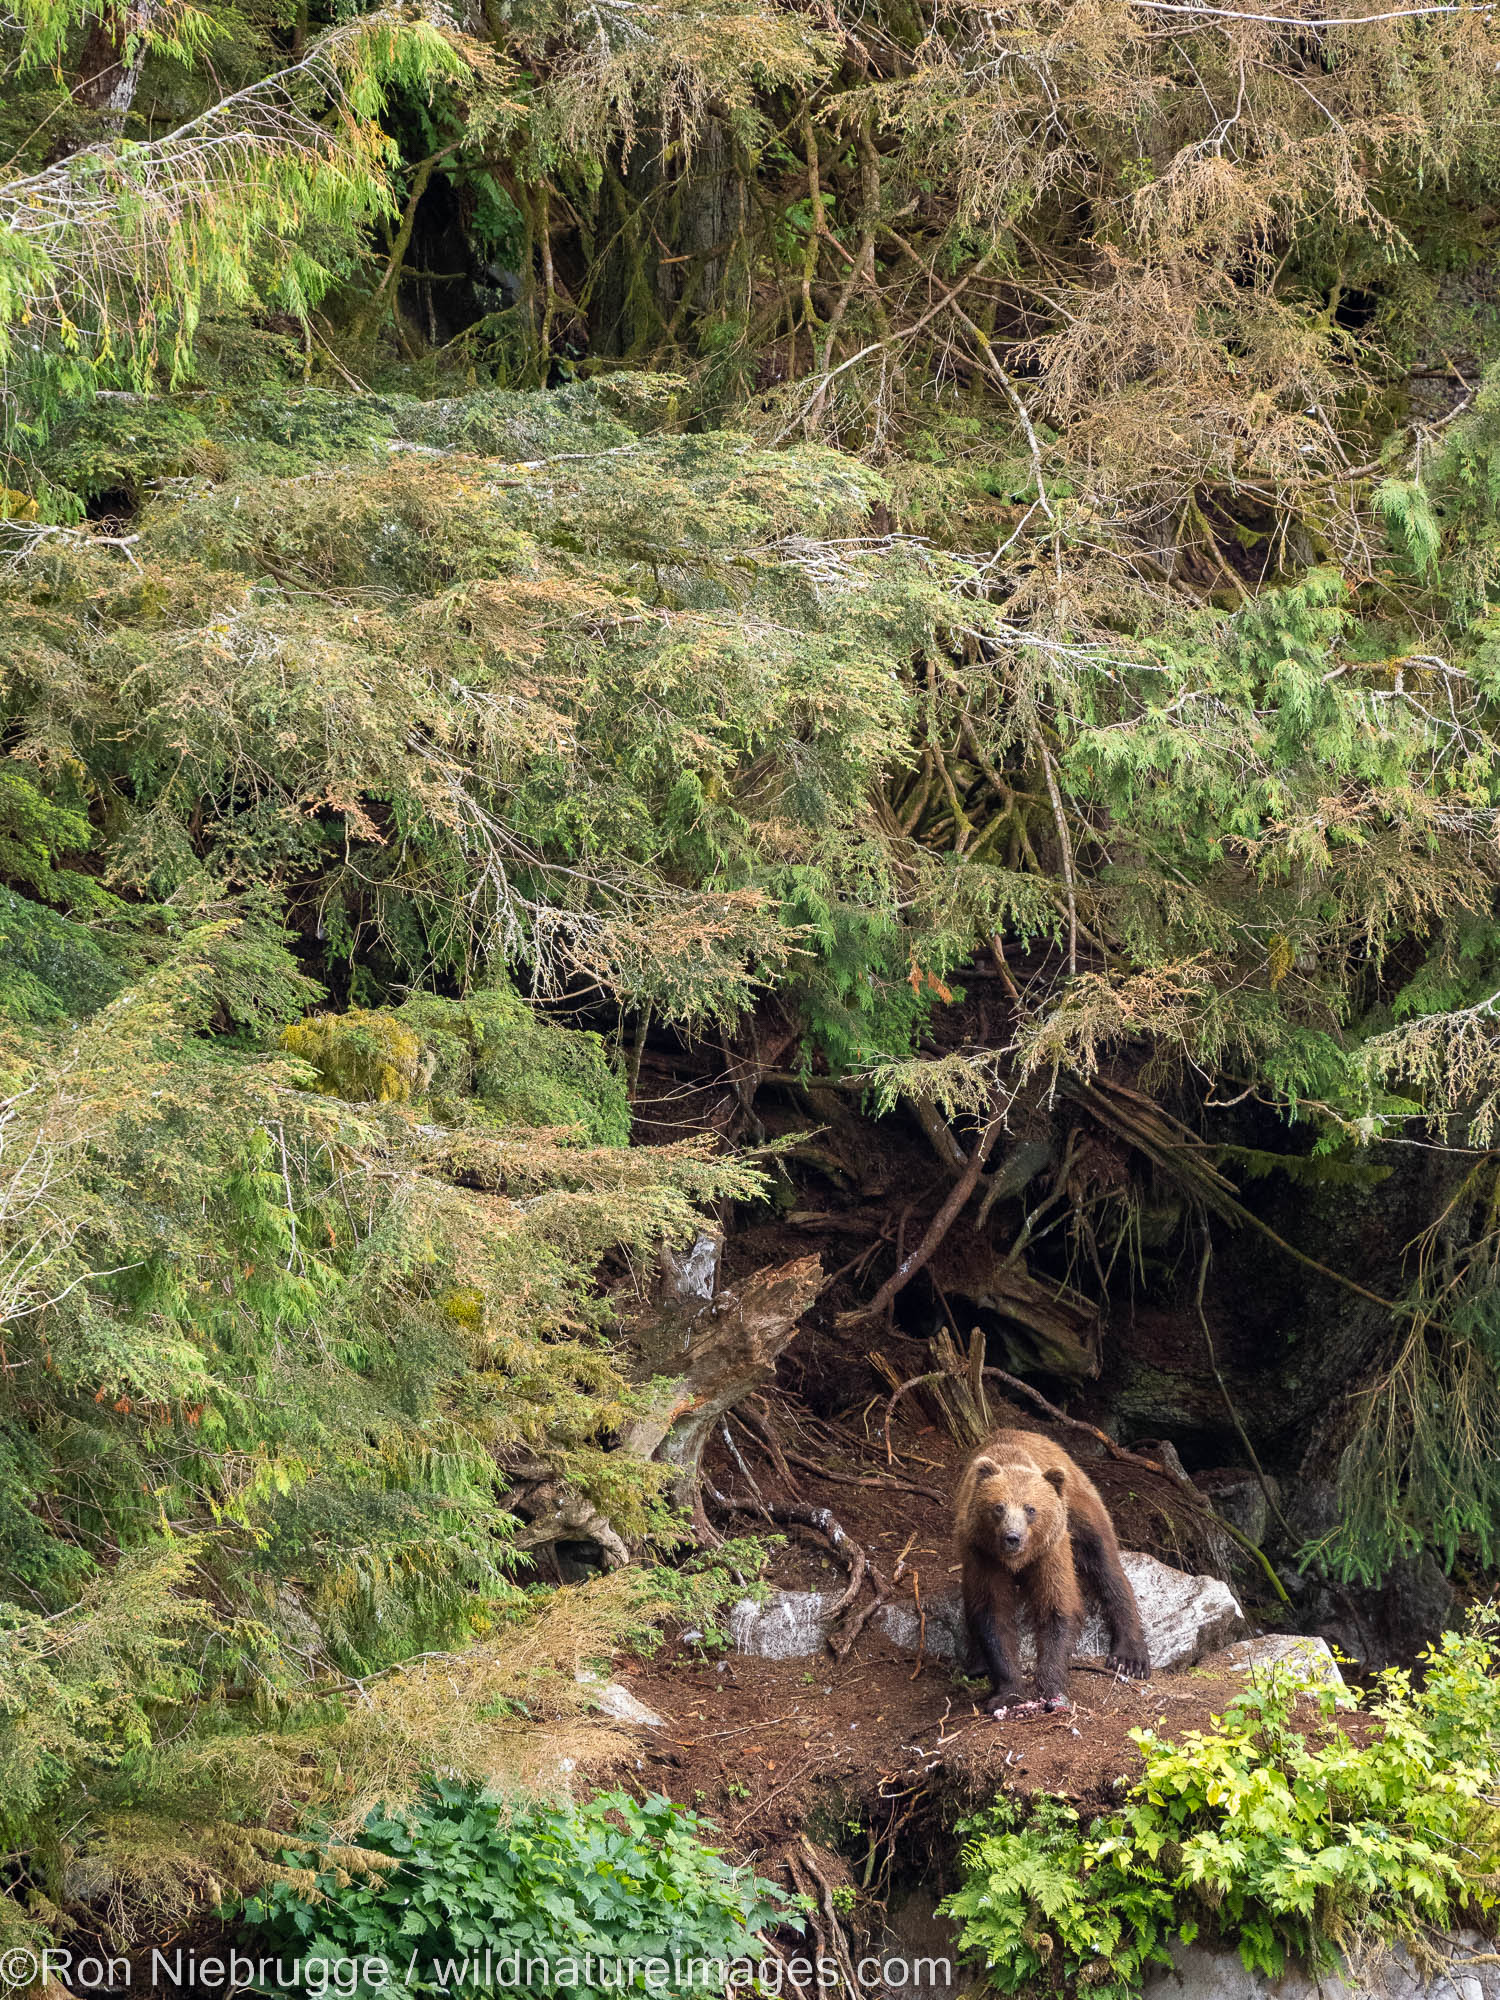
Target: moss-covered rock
[524, 1069]
[364, 1056]
[492, 1048]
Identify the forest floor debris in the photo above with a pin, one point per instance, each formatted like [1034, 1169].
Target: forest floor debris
[777, 1750]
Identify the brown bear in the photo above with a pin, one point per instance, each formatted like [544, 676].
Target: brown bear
[1029, 1523]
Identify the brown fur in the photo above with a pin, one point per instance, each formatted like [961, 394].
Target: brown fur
[1029, 1520]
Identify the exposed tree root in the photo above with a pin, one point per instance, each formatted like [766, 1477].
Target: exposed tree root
[1024, 1389]
[784, 1458]
[835, 1942]
[842, 1643]
[719, 1354]
[823, 1522]
[715, 1358]
[758, 1423]
[908, 1266]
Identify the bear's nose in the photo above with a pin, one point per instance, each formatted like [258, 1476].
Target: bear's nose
[1012, 1540]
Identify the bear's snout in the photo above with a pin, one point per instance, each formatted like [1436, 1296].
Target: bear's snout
[1009, 1528]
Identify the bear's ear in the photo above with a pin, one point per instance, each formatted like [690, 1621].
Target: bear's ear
[1055, 1476]
[983, 1468]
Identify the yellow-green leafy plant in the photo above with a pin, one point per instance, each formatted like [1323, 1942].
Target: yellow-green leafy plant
[1276, 1832]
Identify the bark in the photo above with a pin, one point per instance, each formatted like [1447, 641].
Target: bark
[940, 1134]
[711, 216]
[708, 1362]
[367, 324]
[109, 68]
[702, 1360]
[562, 1516]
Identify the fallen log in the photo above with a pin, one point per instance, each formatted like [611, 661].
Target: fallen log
[702, 1364]
[696, 1363]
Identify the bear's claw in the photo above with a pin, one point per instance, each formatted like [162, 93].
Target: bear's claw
[1130, 1666]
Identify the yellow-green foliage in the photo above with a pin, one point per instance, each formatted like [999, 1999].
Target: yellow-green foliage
[653, 722]
[268, 1350]
[1273, 1831]
[110, 254]
[655, 725]
[364, 1057]
[655, 716]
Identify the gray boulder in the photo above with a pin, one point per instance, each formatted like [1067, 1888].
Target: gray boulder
[1310, 1659]
[1200, 1974]
[614, 1699]
[1184, 1617]
[788, 1625]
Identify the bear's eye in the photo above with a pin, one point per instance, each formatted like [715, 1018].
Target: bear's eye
[1031, 1513]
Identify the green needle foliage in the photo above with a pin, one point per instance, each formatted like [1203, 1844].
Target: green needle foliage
[418, 692]
[267, 1348]
[547, 681]
[620, 519]
[111, 255]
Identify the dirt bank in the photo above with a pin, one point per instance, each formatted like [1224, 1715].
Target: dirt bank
[880, 1741]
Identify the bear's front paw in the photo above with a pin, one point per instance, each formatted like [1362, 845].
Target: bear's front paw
[1131, 1666]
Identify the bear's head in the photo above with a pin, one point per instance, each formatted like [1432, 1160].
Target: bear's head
[1015, 1513]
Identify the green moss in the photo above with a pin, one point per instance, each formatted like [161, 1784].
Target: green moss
[491, 1047]
[363, 1057]
[524, 1069]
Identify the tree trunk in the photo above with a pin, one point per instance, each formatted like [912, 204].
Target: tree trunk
[706, 1363]
[700, 1360]
[110, 67]
[710, 218]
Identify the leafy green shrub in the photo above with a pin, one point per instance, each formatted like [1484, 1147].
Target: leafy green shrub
[614, 1878]
[1283, 1843]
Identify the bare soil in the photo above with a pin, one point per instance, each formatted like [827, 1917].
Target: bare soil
[778, 1751]
[757, 1742]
